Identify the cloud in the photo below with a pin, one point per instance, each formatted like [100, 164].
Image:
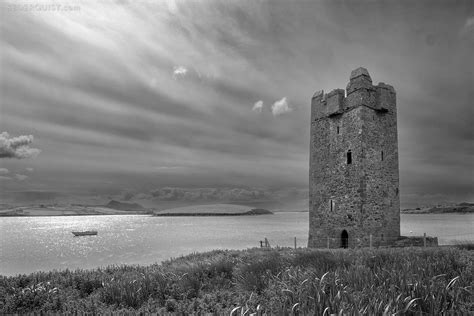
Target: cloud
[468, 27]
[20, 177]
[258, 106]
[179, 72]
[227, 194]
[207, 194]
[4, 171]
[469, 22]
[5, 178]
[17, 147]
[281, 107]
[30, 169]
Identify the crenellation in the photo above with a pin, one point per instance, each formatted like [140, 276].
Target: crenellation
[335, 101]
[318, 105]
[359, 196]
[386, 96]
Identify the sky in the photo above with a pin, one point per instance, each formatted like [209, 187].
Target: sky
[133, 98]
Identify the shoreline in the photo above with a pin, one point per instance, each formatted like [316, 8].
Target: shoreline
[151, 214]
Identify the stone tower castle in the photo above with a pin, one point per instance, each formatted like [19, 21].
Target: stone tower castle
[353, 179]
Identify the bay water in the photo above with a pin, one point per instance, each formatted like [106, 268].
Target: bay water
[29, 244]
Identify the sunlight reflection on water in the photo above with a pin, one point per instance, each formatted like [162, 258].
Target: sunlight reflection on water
[44, 243]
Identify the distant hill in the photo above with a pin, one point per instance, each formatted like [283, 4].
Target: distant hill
[213, 210]
[122, 206]
[64, 210]
[459, 208]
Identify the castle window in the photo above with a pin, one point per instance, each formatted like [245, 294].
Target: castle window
[382, 237]
[338, 129]
[349, 157]
[382, 155]
[331, 206]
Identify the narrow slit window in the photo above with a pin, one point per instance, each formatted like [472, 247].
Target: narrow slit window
[338, 129]
[349, 157]
[331, 205]
[382, 155]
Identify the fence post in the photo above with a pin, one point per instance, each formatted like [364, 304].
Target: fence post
[295, 242]
[370, 241]
[424, 240]
[328, 242]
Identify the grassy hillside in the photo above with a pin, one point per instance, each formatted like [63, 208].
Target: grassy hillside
[212, 210]
[410, 281]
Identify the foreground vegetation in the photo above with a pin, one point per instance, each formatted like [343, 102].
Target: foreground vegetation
[265, 282]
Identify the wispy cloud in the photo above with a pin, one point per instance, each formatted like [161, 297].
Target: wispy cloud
[20, 177]
[30, 169]
[258, 106]
[468, 28]
[281, 107]
[4, 171]
[469, 22]
[17, 147]
[179, 72]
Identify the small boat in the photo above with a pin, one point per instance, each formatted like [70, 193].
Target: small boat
[85, 233]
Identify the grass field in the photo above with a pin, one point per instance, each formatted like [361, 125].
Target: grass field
[409, 281]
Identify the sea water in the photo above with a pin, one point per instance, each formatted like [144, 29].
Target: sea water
[29, 244]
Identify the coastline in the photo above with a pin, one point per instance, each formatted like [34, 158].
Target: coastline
[45, 211]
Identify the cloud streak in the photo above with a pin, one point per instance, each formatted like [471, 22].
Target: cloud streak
[21, 177]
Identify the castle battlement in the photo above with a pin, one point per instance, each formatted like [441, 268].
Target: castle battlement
[359, 92]
[354, 190]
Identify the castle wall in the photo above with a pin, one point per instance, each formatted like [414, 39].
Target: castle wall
[362, 197]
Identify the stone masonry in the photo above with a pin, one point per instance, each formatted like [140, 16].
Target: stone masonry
[353, 179]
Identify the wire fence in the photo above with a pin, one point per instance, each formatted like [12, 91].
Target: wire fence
[369, 241]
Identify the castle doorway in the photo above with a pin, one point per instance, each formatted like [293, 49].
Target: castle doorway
[344, 239]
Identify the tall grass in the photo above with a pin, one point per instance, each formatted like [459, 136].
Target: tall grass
[279, 281]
